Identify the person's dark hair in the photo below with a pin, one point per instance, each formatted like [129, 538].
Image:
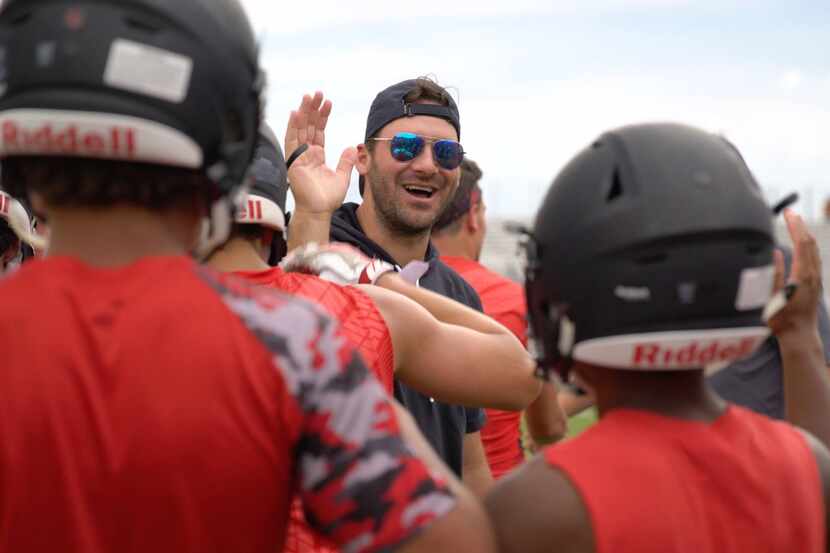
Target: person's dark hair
[252, 232]
[81, 182]
[8, 238]
[464, 198]
[426, 90]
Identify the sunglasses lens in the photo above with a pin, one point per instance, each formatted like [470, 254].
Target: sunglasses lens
[406, 146]
[448, 154]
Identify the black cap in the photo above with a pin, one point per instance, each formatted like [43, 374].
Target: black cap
[390, 104]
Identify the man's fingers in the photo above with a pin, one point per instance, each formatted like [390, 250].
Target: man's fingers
[303, 116]
[320, 124]
[314, 116]
[291, 141]
[346, 164]
[780, 270]
[806, 259]
[325, 112]
[316, 101]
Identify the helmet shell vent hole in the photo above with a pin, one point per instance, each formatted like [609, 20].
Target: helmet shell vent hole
[615, 190]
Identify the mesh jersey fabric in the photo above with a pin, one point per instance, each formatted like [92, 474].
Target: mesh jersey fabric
[162, 407]
[503, 300]
[364, 327]
[655, 484]
[362, 323]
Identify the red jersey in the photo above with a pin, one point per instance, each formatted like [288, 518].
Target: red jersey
[503, 300]
[655, 484]
[161, 407]
[364, 327]
[362, 323]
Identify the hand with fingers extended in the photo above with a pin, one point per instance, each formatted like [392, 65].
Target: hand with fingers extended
[802, 291]
[317, 189]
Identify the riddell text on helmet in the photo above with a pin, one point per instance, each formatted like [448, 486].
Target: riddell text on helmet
[696, 354]
[118, 142]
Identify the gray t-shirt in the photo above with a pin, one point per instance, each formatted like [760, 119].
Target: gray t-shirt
[756, 382]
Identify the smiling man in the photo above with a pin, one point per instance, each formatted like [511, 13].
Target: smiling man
[409, 170]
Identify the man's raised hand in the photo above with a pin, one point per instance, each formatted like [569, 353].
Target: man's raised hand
[317, 189]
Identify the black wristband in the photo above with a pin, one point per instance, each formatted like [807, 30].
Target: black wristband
[293, 157]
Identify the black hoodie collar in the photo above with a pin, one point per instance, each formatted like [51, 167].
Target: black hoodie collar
[345, 227]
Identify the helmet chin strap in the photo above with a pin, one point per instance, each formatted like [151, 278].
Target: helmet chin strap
[216, 228]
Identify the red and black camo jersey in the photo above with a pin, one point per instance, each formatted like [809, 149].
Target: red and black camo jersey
[364, 326]
[161, 407]
[362, 323]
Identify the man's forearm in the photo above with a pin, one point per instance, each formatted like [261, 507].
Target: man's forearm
[306, 227]
[475, 472]
[806, 382]
[446, 310]
[546, 421]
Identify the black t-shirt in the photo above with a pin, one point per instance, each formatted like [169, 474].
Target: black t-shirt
[443, 425]
[756, 382]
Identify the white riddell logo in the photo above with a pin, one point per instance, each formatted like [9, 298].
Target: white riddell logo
[632, 293]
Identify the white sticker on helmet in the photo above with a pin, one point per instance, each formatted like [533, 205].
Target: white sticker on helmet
[148, 70]
[674, 350]
[96, 135]
[261, 211]
[755, 288]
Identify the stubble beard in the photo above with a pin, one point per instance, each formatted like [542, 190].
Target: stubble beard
[392, 214]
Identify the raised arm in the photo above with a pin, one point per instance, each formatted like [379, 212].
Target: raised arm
[806, 380]
[452, 352]
[318, 191]
[545, 417]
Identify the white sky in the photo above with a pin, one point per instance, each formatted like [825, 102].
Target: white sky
[537, 81]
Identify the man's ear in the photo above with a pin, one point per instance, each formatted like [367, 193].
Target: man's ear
[363, 159]
[471, 219]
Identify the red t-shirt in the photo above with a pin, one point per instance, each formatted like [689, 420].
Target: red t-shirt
[655, 484]
[503, 300]
[361, 322]
[366, 330]
[161, 407]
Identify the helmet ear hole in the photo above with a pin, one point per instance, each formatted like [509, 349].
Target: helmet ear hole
[616, 188]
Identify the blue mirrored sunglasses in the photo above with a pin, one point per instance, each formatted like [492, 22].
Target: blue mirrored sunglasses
[406, 146]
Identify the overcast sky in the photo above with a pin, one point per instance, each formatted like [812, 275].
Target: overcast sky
[537, 81]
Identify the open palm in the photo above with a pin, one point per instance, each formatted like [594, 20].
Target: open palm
[316, 187]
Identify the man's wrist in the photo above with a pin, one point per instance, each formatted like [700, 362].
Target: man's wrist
[302, 214]
[798, 336]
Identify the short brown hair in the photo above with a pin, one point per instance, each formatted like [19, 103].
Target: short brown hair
[83, 182]
[463, 200]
